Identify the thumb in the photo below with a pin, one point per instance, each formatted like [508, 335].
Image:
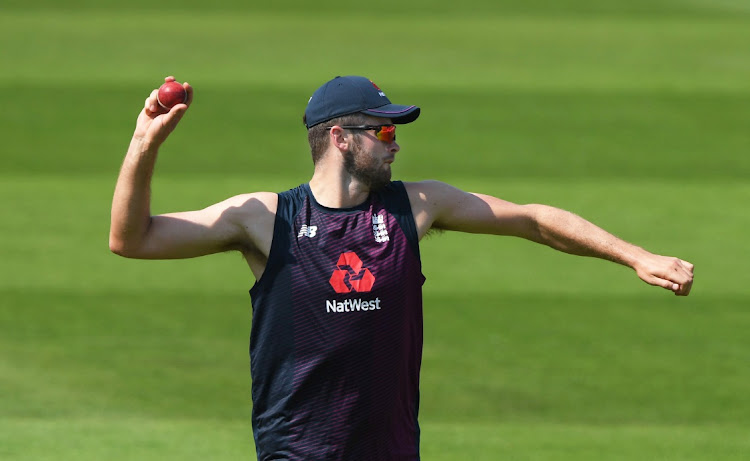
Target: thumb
[173, 117]
[660, 282]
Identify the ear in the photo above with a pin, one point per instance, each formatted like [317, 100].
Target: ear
[339, 138]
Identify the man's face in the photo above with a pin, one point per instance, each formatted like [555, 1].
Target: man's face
[369, 159]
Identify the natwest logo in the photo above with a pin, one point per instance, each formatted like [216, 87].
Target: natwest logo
[349, 275]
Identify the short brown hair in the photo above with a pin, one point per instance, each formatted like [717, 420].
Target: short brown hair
[318, 137]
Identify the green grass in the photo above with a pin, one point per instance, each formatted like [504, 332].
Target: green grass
[631, 114]
[522, 344]
[96, 438]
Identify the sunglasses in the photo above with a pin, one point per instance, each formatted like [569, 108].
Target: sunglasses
[385, 133]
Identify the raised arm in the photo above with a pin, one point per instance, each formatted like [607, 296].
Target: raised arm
[244, 222]
[438, 205]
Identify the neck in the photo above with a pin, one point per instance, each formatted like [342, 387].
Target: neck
[335, 188]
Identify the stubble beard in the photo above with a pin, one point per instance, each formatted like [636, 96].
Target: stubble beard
[365, 167]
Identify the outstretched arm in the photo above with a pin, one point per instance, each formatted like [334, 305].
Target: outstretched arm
[438, 205]
[241, 223]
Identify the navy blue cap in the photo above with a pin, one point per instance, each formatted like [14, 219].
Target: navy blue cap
[350, 95]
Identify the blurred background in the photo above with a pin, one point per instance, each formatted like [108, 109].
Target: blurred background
[633, 114]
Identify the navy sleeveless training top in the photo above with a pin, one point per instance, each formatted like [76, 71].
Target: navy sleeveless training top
[336, 340]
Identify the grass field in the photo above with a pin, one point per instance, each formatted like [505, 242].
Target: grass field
[633, 114]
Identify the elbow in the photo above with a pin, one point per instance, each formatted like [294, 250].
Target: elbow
[119, 247]
[533, 226]
[124, 242]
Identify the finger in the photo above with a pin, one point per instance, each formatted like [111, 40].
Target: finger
[679, 289]
[677, 272]
[150, 104]
[684, 289]
[661, 282]
[683, 267]
[189, 90]
[173, 117]
[169, 79]
[690, 267]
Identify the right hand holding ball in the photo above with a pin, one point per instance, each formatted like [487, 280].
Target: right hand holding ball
[170, 94]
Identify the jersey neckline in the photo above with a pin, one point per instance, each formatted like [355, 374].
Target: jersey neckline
[361, 207]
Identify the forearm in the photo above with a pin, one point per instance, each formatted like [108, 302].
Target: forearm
[567, 232]
[131, 204]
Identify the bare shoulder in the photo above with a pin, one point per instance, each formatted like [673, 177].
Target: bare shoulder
[428, 193]
[254, 212]
[426, 186]
[243, 222]
[429, 199]
[251, 203]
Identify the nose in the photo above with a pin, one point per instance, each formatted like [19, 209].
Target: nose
[393, 147]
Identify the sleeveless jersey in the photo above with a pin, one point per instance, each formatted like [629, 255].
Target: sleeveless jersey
[336, 339]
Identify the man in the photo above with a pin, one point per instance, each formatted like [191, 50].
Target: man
[336, 339]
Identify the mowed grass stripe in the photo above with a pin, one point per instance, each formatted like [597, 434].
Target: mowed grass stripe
[439, 8]
[92, 439]
[552, 442]
[57, 238]
[257, 131]
[486, 51]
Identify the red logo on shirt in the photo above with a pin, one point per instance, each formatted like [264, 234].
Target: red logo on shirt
[349, 275]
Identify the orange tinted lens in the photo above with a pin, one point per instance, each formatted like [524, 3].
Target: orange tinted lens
[387, 133]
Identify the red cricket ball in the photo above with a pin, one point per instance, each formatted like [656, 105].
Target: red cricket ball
[170, 94]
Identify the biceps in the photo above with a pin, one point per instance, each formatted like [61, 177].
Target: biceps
[484, 214]
[187, 234]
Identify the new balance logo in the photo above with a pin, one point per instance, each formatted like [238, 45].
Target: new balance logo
[349, 275]
[307, 231]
